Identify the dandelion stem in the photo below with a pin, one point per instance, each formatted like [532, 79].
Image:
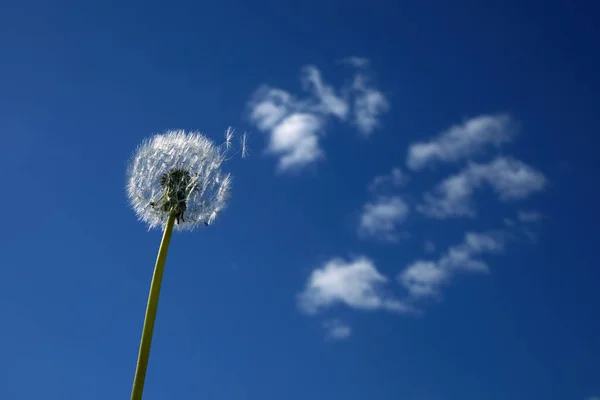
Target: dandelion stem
[146, 342]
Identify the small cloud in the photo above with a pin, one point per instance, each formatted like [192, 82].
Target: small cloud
[529, 216]
[295, 125]
[451, 198]
[460, 141]
[484, 243]
[423, 278]
[355, 283]
[269, 106]
[328, 101]
[511, 179]
[357, 62]
[396, 178]
[296, 141]
[429, 246]
[369, 105]
[509, 222]
[380, 219]
[337, 330]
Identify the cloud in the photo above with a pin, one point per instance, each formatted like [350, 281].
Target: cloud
[369, 105]
[269, 106]
[355, 283]
[295, 139]
[329, 102]
[483, 243]
[381, 218]
[395, 178]
[357, 62]
[295, 125]
[337, 330]
[423, 278]
[510, 179]
[461, 141]
[529, 216]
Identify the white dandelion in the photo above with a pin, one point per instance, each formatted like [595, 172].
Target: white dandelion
[179, 173]
[174, 181]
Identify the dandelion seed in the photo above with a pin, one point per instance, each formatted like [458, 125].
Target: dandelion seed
[244, 142]
[228, 136]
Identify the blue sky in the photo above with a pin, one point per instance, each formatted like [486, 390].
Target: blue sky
[416, 219]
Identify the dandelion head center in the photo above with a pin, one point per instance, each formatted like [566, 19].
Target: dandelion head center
[178, 185]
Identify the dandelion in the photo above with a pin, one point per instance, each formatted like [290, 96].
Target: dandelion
[174, 182]
[177, 174]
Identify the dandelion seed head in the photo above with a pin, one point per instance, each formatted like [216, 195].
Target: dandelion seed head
[178, 172]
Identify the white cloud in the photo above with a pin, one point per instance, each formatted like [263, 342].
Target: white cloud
[329, 102]
[369, 105]
[461, 141]
[423, 278]
[451, 198]
[337, 330]
[295, 125]
[529, 216]
[296, 141]
[483, 243]
[381, 218]
[269, 106]
[395, 178]
[355, 283]
[357, 62]
[511, 180]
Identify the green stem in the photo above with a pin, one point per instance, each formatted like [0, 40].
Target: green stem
[146, 342]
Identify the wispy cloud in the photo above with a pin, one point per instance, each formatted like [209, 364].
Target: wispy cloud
[396, 178]
[369, 105]
[295, 125]
[269, 106]
[380, 219]
[355, 283]
[423, 278]
[460, 141]
[356, 62]
[529, 216]
[337, 329]
[509, 178]
[328, 102]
